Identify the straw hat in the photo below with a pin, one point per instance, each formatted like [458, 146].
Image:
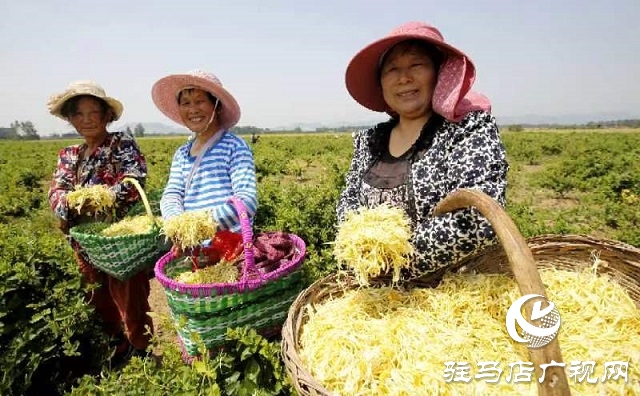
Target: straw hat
[165, 95]
[83, 87]
[452, 97]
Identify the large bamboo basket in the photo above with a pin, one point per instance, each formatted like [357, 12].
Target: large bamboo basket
[514, 255]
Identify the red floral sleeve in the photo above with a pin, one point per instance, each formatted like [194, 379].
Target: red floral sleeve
[117, 158]
[133, 164]
[63, 182]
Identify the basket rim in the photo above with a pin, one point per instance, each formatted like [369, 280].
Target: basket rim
[561, 240]
[241, 285]
[244, 283]
[78, 231]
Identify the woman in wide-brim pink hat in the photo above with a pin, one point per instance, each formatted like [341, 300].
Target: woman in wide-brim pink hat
[440, 137]
[215, 164]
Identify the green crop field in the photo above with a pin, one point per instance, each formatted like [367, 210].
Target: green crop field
[585, 182]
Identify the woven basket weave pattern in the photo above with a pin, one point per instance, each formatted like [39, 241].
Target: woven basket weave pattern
[125, 255]
[258, 299]
[119, 257]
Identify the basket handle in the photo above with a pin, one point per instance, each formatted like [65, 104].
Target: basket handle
[247, 239]
[525, 272]
[145, 201]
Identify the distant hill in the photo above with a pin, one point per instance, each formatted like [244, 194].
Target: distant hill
[153, 128]
[526, 121]
[530, 120]
[566, 119]
[315, 126]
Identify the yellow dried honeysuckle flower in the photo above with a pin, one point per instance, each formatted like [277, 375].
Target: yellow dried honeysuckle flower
[386, 341]
[224, 272]
[189, 229]
[99, 197]
[374, 241]
[130, 226]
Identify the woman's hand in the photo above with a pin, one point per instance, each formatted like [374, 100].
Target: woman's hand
[87, 209]
[176, 251]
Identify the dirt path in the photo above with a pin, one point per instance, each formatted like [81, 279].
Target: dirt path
[158, 302]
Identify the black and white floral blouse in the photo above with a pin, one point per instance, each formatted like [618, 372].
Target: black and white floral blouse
[446, 157]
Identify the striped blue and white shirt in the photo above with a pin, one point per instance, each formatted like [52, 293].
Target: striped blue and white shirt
[226, 169]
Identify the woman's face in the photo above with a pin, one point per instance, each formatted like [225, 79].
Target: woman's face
[408, 78]
[89, 118]
[196, 109]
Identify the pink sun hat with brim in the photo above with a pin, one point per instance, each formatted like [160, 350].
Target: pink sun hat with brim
[452, 97]
[165, 95]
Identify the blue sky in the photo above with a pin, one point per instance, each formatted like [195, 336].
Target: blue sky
[285, 60]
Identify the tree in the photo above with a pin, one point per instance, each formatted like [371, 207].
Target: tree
[129, 131]
[139, 131]
[25, 130]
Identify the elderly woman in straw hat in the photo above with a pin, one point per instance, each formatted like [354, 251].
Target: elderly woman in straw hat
[102, 158]
[214, 164]
[440, 137]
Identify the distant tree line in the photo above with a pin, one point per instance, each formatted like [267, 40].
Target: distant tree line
[25, 130]
[138, 130]
[346, 128]
[20, 130]
[632, 123]
[249, 130]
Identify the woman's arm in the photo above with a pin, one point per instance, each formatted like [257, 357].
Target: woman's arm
[171, 203]
[349, 199]
[61, 184]
[477, 161]
[131, 163]
[243, 182]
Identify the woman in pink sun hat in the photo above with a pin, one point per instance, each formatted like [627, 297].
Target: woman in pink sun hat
[440, 137]
[214, 164]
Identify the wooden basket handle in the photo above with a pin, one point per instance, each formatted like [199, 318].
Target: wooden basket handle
[526, 275]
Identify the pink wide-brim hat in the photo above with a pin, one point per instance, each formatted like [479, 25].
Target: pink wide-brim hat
[452, 97]
[165, 95]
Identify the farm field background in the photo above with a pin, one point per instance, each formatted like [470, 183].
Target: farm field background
[570, 181]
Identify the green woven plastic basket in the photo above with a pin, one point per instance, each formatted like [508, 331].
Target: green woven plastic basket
[211, 316]
[125, 255]
[260, 298]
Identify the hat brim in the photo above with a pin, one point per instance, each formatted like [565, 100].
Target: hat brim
[114, 103]
[165, 96]
[361, 77]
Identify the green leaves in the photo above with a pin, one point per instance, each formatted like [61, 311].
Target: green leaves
[559, 182]
[44, 320]
[250, 365]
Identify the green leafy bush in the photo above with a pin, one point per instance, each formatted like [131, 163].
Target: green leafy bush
[49, 336]
[249, 365]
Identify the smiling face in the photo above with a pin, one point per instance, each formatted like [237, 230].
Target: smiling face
[196, 109]
[408, 77]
